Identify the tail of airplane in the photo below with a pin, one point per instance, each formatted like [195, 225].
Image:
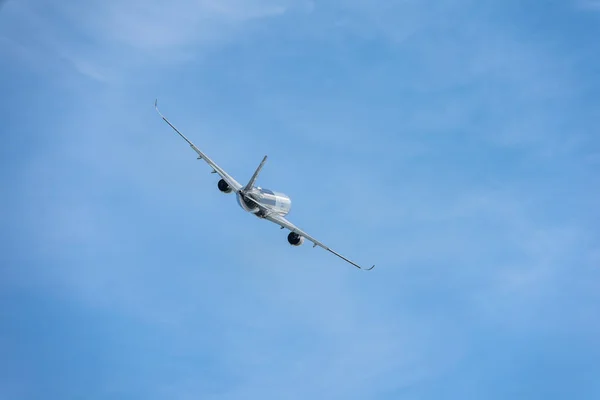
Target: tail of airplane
[253, 179]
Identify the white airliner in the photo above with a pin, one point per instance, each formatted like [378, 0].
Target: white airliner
[263, 203]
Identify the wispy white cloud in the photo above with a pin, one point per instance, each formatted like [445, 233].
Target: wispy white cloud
[499, 74]
[114, 37]
[121, 218]
[593, 5]
[92, 71]
[161, 26]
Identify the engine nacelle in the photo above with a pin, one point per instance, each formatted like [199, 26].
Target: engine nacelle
[294, 239]
[224, 186]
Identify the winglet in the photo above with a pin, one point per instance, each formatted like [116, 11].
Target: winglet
[347, 260]
[156, 108]
[177, 130]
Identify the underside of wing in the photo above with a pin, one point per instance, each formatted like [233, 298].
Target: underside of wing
[284, 223]
[235, 185]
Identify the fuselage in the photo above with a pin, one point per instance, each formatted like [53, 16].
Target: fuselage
[271, 201]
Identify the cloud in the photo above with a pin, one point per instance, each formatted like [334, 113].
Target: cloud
[103, 40]
[160, 26]
[593, 5]
[401, 145]
[89, 70]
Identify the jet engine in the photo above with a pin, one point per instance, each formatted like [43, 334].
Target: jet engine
[294, 239]
[224, 186]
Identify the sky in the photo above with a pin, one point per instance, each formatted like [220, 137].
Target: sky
[455, 144]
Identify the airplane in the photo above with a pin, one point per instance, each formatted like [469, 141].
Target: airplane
[264, 203]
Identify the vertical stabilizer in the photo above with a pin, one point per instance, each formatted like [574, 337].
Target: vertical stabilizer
[253, 179]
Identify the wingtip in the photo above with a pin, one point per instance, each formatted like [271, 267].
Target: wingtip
[368, 269]
[156, 108]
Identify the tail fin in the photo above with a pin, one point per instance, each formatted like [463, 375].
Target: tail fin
[253, 179]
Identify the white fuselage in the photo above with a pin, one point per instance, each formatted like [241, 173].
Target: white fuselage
[272, 201]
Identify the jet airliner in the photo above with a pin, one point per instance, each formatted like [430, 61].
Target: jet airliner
[264, 203]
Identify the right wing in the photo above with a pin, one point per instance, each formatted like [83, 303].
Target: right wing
[284, 223]
[226, 177]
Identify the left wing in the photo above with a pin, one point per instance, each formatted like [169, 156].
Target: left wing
[284, 223]
[226, 177]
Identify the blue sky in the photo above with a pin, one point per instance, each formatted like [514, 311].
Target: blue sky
[455, 144]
